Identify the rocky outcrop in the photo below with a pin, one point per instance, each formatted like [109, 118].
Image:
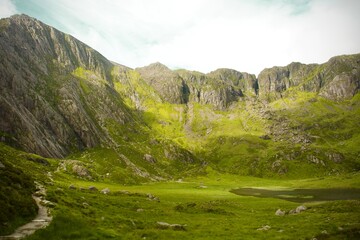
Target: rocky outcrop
[167, 83]
[219, 88]
[279, 79]
[45, 107]
[244, 81]
[343, 86]
[337, 79]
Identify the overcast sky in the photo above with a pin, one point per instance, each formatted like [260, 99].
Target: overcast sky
[203, 35]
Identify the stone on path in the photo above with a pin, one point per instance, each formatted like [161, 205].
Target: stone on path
[42, 220]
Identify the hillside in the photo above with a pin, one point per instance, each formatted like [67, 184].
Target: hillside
[70, 114]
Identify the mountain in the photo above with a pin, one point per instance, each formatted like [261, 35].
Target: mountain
[61, 97]
[168, 145]
[337, 79]
[58, 96]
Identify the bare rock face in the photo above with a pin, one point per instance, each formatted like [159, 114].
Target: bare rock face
[166, 82]
[343, 86]
[244, 81]
[219, 88]
[279, 79]
[46, 108]
[337, 79]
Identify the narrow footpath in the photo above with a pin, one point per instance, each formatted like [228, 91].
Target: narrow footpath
[42, 219]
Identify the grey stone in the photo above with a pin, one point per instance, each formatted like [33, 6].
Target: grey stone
[177, 227]
[105, 191]
[300, 209]
[279, 212]
[264, 228]
[92, 188]
[149, 158]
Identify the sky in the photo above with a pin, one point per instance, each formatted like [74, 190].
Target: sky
[203, 35]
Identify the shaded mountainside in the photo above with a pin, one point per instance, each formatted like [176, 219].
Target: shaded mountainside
[58, 97]
[218, 88]
[43, 104]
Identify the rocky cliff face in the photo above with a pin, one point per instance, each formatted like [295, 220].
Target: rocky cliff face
[167, 83]
[218, 88]
[336, 79]
[57, 94]
[45, 107]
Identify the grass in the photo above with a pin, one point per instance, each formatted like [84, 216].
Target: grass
[203, 203]
[208, 213]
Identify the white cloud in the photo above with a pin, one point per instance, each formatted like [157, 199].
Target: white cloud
[7, 8]
[207, 34]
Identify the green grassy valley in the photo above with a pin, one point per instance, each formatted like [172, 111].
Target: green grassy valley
[202, 205]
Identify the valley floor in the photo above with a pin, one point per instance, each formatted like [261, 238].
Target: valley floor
[197, 208]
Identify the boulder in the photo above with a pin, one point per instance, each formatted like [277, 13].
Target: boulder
[149, 158]
[92, 188]
[335, 157]
[265, 137]
[47, 203]
[300, 209]
[81, 171]
[2, 165]
[72, 187]
[279, 212]
[177, 227]
[264, 228]
[105, 191]
[152, 197]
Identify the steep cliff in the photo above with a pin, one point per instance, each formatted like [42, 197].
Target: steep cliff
[336, 79]
[166, 82]
[49, 103]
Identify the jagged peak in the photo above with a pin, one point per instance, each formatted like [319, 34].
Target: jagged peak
[23, 18]
[157, 66]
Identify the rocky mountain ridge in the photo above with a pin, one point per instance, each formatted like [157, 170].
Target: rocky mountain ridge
[337, 79]
[59, 96]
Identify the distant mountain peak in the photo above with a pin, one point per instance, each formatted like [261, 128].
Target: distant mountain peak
[157, 66]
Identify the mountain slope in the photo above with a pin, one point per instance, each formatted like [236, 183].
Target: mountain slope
[40, 95]
[60, 97]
